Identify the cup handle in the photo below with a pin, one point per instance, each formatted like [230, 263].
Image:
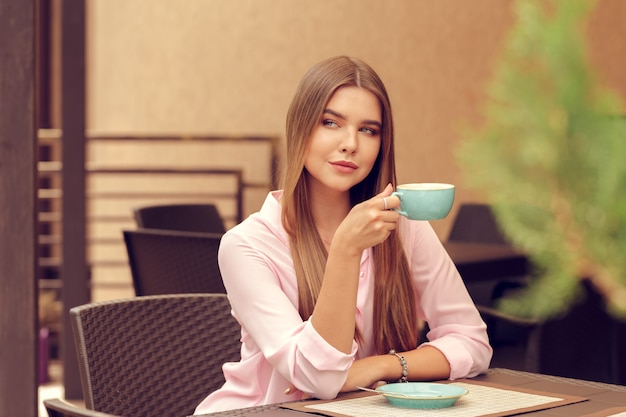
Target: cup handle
[401, 212]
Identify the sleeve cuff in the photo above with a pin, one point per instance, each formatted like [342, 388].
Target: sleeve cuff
[324, 355]
[460, 360]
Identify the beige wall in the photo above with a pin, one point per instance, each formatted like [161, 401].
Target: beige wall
[230, 67]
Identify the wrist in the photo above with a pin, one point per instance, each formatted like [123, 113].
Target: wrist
[344, 251]
[401, 362]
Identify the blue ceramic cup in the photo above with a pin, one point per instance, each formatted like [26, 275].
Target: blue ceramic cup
[425, 201]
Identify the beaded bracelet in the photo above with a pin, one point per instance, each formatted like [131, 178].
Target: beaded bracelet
[405, 367]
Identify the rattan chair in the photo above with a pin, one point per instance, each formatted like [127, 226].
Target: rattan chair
[56, 407]
[154, 355]
[172, 262]
[185, 217]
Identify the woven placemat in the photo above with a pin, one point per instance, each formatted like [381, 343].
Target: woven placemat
[483, 400]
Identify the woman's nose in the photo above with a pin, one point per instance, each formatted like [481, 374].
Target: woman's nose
[349, 142]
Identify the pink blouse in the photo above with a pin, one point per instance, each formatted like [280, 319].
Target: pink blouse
[279, 349]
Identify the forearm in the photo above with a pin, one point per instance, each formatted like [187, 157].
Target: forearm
[424, 364]
[335, 310]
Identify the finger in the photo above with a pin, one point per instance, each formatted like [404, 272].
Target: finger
[385, 200]
[393, 202]
[391, 216]
[385, 203]
[292, 389]
[386, 192]
[382, 197]
[390, 224]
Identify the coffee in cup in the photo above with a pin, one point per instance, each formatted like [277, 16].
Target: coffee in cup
[425, 201]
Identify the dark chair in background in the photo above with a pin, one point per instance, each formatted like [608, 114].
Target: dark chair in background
[156, 355]
[56, 407]
[172, 262]
[185, 217]
[476, 223]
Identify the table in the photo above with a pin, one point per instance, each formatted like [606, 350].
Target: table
[483, 261]
[602, 398]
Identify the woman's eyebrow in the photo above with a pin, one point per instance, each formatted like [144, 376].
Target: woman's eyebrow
[374, 123]
[334, 113]
[341, 116]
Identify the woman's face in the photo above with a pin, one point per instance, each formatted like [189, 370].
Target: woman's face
[344, 145]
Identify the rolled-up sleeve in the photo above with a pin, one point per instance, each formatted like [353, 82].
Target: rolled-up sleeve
[314, 366]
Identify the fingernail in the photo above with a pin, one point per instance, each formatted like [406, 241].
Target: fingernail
[287, 391]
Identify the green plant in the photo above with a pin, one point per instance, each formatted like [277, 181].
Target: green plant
[551, 160]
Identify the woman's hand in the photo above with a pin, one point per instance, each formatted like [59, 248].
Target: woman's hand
[369, 223]
[368, 372]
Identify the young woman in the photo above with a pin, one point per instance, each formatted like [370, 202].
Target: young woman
[328, 283]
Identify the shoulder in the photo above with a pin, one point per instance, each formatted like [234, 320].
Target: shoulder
[261, 228]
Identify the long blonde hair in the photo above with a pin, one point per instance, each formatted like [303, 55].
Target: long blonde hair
[395, 320]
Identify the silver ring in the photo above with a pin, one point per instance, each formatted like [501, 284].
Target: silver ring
[385, 202]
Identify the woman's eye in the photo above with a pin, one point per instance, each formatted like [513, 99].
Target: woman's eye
[329, 123]
[369, 131]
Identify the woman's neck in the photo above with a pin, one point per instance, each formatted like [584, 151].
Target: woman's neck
[328, 210]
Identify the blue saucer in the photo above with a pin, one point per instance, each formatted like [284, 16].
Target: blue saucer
[421, 394]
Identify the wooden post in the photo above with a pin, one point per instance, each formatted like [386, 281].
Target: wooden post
[18, 294]
[74, 273]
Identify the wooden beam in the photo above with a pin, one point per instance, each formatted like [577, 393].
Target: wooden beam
[18, 297]
[74, 273]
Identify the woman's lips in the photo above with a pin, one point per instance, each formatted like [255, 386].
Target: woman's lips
[344, 167]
